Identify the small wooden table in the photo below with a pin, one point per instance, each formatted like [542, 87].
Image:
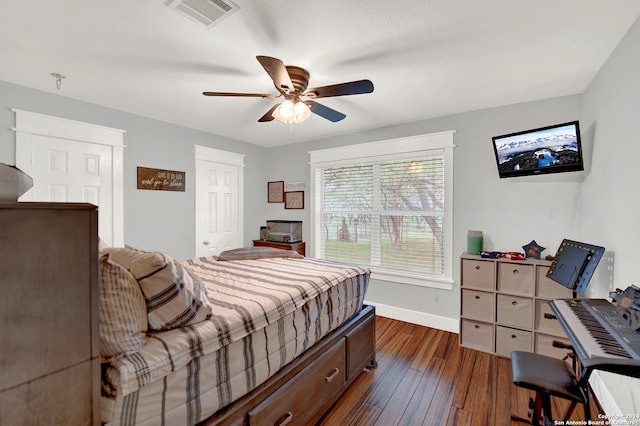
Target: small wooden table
[299, 247]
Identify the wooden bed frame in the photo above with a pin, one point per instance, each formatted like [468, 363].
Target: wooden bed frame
[304, 390]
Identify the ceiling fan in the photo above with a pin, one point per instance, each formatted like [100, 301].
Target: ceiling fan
[291, 83]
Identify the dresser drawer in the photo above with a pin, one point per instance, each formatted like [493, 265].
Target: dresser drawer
[478, 274]
[548, 288]
[476, 335]
[478, 305]
[548, 325]
[307, 394]
[511, 339]
[514, 310]
[515, 278]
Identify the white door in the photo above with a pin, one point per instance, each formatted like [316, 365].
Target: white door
[71, 171]
[219, 195]
[71, 161]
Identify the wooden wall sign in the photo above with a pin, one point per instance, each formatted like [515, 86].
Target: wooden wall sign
[161, 180]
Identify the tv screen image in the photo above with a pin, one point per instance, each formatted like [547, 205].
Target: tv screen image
[550, 149]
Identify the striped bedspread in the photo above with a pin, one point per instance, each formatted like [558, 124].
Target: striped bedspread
[249, 294]
[266, 312]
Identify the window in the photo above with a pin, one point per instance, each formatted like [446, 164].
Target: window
[387, 205]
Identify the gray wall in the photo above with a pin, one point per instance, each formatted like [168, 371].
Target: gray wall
[610, 202]
[510, 212]
[158, 220]
[611, 205]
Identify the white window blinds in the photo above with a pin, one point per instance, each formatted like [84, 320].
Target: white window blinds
[388, 212]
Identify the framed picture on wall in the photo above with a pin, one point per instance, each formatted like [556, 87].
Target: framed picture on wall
[294, 200]
[275, 191]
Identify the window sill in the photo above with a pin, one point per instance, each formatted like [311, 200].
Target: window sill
[411, 279]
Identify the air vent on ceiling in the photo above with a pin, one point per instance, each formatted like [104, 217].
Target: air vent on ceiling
[205, 12]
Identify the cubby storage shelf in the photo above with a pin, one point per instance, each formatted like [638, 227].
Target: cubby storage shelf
[503, 304]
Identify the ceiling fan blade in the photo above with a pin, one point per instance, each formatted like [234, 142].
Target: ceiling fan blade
[278, 73]
[325, 112]
[251, 95]
[268, 115]
[351, 88]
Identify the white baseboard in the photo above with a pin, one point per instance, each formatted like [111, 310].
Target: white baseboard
[415, 317]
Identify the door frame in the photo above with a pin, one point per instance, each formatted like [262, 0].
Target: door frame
[203, 153]
[29, 123]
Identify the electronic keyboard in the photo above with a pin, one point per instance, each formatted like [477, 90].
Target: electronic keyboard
[602, 337]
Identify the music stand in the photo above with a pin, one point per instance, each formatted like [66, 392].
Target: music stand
[575, 264]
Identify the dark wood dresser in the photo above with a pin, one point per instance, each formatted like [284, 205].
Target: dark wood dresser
[50, 357]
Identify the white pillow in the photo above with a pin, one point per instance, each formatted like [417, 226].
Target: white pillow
[102, 246]
[123, 311]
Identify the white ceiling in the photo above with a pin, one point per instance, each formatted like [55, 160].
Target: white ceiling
[426, 58]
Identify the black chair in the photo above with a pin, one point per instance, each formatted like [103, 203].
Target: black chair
[547, 376]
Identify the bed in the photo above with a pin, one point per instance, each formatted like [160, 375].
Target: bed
[254, 336]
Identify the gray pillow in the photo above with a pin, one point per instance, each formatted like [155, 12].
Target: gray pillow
[251, 253]
[174, 298]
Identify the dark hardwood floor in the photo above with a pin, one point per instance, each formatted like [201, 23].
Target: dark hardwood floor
[425, 378]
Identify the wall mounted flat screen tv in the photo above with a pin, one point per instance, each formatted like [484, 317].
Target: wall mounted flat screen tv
[550, 149]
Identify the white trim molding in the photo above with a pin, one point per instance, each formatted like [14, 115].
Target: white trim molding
[420, 318]
[218, 156]
[47, 125]
[28, 124]
[383, 148]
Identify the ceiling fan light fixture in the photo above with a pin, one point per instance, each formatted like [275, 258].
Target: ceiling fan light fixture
[301, 112]
[284, 112]
[290, 113]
